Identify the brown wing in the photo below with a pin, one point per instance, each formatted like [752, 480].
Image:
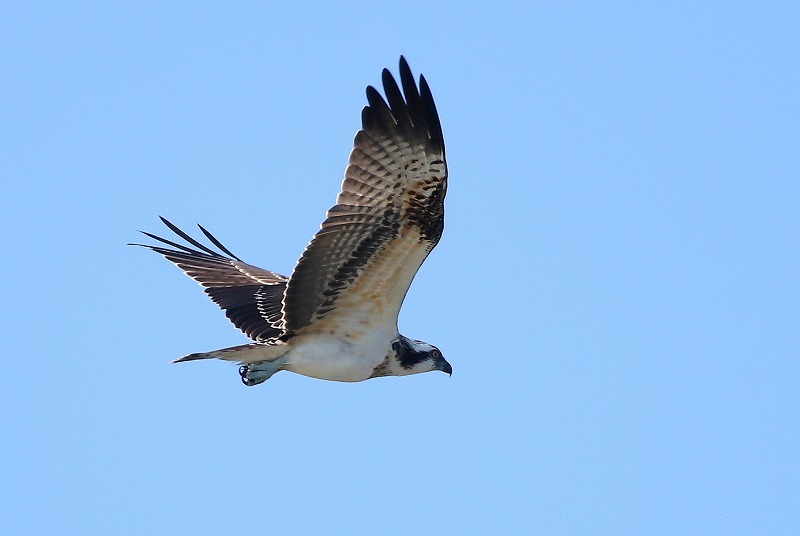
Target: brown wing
[251, 296]
[388, 217]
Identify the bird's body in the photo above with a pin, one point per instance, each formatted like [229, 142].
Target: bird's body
[360, 353]
[335, 318]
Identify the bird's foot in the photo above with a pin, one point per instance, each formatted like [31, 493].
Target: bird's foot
[256, 373]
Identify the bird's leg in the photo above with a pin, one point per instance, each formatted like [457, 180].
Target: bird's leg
[256, 373]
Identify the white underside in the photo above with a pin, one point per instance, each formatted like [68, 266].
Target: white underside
[327, 358]
[323, 356]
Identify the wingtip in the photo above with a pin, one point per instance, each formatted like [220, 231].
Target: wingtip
[373, 96]
[405, 69]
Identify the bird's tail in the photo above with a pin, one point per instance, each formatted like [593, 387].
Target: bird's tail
[193, 357]
[244, 354]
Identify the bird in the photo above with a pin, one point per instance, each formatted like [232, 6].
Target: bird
[335, 317]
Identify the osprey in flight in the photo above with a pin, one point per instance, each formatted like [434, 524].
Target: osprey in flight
[335, 318]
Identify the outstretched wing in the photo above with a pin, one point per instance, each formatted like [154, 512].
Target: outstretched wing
[251, 296]
[388, 217]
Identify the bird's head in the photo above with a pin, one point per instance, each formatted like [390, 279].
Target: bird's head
[416, 356]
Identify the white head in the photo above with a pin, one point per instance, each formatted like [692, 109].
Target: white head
[413, 356]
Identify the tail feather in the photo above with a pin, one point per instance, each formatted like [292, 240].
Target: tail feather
[193, 357]
[244, 354]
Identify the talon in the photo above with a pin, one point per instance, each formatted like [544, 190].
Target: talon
[243, 373]
[257, 373]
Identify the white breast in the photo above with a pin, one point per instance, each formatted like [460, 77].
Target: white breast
[342, 358]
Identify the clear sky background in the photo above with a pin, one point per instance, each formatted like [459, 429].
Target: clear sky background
[617, 287]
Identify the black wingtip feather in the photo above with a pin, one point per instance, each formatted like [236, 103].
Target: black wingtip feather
[380, 110]
[411, 109]
[431, 114]
[367, 120]
[175, 229]
[404, 66]
[396, 101]
[167, 242]
[217, 243]
[410, 90]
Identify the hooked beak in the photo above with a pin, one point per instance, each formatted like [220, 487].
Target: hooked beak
[444, 366]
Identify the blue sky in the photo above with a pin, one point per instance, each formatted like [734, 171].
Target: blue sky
[617, 286]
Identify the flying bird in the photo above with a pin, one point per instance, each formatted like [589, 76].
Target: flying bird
[335, 317]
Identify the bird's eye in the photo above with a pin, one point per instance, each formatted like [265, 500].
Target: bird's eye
[436, 354]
